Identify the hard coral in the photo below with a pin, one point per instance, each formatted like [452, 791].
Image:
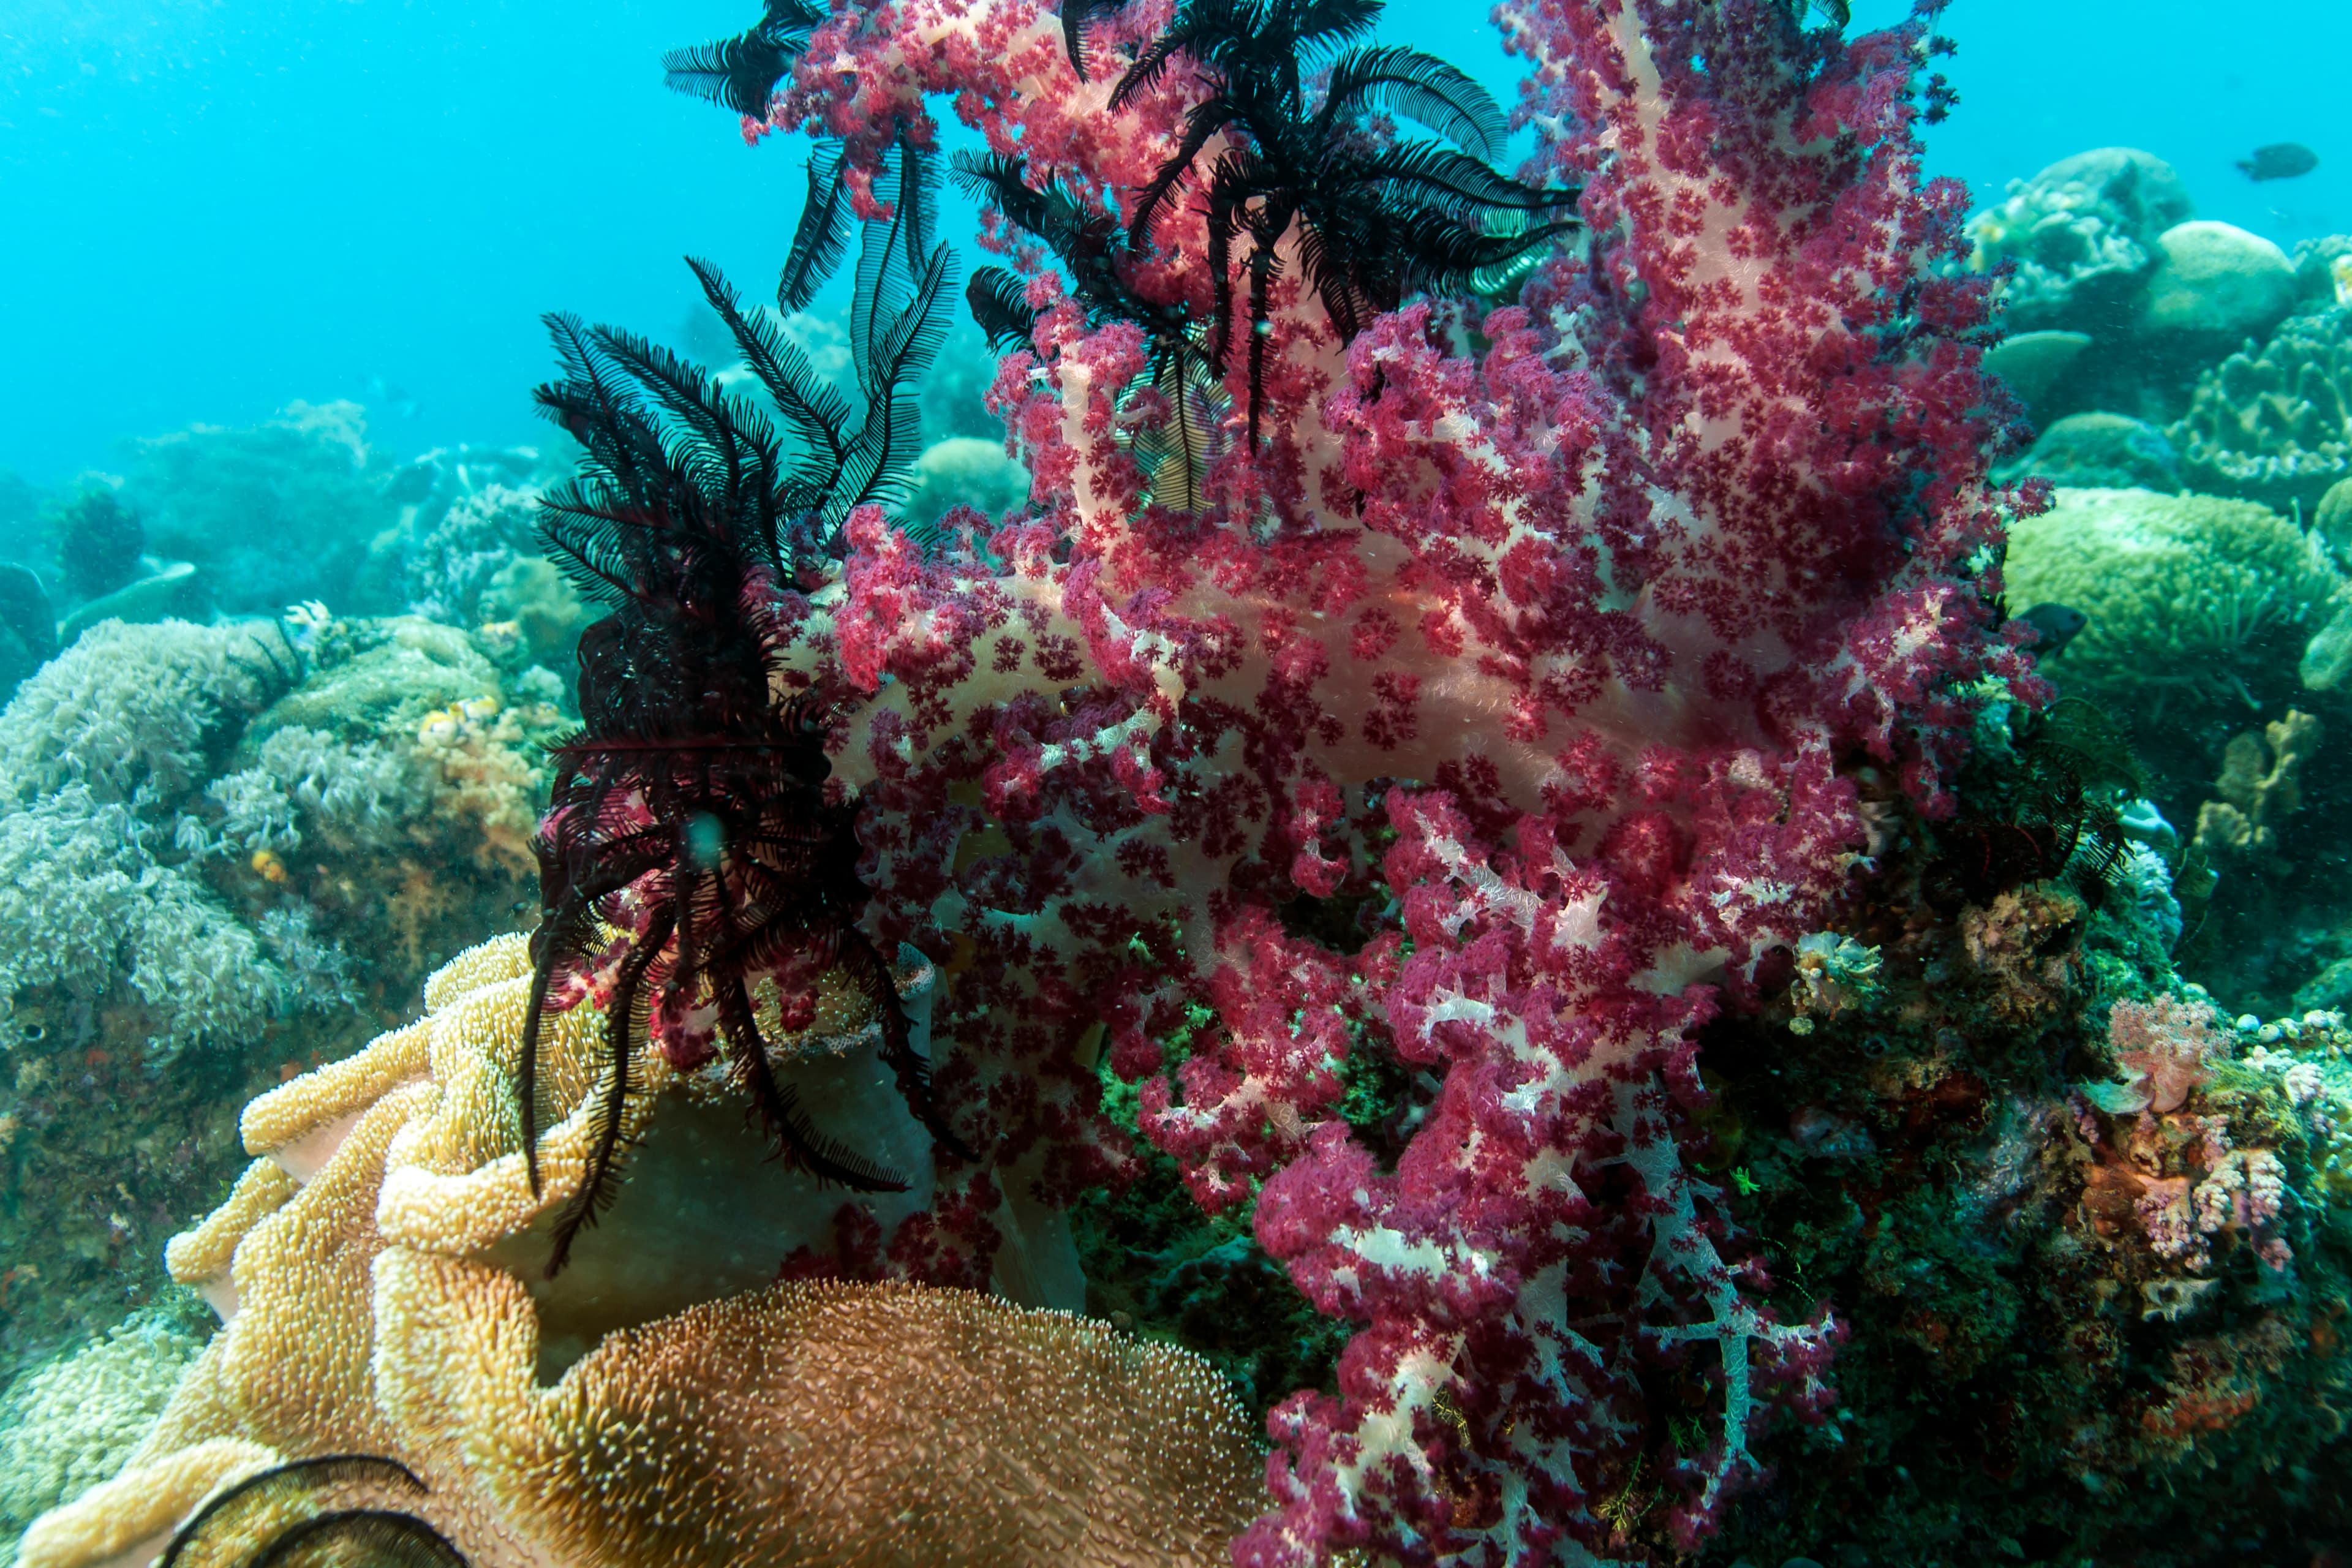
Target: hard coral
[271, 513]
[2257, 787]
[1551, 631]
[2192, 601]
[2275, 423]
[2079, 240]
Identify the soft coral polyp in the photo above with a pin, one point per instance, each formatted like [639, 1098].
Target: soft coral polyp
[1558, 634]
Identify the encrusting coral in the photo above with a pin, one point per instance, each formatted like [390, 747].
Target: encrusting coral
[2275, 423]
[359, 1267]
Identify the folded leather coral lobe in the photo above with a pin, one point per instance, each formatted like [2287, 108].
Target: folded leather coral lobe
[1498, 711]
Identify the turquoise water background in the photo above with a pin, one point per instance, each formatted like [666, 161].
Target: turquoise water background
[211, 207]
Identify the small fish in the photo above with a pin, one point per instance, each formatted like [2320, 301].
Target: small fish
[2054, 627]
[2278, 160]
[383, 394]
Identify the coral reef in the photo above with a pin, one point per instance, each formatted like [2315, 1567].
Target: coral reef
[2257, 788]
[2195, 603]
[359, 1267]
[2100, 451]
[964, 471]
[72, 1424]
[2099, 1326]
[2116, 298]
[270, 514]
[1530, 925]
[2082, 240]
[470, 557]
[2215, 285]
[2275, 423]
[100, 541]
[220, 848]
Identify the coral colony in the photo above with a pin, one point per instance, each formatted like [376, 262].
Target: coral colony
[1451, 639]
[1498, 701]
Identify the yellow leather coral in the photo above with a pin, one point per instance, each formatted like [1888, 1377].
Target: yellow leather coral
[378, 1270]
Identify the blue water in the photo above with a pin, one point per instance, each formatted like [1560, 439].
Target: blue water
[211, 207]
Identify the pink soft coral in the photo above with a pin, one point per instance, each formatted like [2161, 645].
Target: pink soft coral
[2166, 1049]
[1546, 643]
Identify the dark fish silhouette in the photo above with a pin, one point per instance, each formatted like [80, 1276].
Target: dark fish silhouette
[2278, 160]
[2054, 627]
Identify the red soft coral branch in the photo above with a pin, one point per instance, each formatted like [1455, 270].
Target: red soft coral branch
[1496, 716]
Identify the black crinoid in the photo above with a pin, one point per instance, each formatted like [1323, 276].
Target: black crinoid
[740, 73]
[1377, 218]
[340, 1510]
[1093, 249]
[2049, 806]
[690, 850]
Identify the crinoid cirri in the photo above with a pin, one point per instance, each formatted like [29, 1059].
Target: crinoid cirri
[690, 855]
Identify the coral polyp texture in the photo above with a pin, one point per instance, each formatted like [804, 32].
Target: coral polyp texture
[225, 851]
[1496, 713]
[361, 1266]
[1469, 857]
[2275, 423]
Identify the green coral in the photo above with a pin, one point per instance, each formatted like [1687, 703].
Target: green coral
[2275, 425]
[2190, 595]
[964, 471]
[376, 679]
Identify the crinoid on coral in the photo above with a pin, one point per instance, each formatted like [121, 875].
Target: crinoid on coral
[692, 854]
[335, 1509]
[660, 1402]
[739, 72]
[1376, 219]
[1174, 411]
